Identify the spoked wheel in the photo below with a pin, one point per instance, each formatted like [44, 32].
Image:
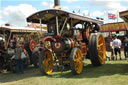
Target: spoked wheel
[76, 61]
[97, 49]
[46, 62]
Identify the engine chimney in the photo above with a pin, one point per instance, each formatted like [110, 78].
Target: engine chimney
[57, 4]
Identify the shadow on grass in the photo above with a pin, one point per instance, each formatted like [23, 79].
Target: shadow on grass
[88, 72]
[29, 72]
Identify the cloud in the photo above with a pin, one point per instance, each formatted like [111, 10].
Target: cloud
[1, 22]
[97, 13]
[109, 4]
[115, 6]
[70, 1]
[16, 15]
[86, 12]
[66, 8]
[49, 4]
[44, 4]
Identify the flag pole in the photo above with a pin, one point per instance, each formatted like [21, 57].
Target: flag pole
[108, 23]
[117, 17]
[117, 20]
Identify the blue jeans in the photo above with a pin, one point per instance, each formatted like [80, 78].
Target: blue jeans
[126, 53]
[19, 66]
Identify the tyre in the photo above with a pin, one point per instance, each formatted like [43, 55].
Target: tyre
[97, 49]
[76, 61]
[46, 62]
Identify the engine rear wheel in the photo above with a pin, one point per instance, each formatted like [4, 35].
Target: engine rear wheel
[76, 61]
[97, 49]
[46, 62]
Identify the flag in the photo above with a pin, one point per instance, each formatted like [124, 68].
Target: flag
[111, 16]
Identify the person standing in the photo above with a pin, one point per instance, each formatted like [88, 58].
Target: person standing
[112, 49]
[14, 43]
[117, 46]
[19, 62]
[125, 44]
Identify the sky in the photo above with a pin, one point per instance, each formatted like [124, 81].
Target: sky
[15, 12]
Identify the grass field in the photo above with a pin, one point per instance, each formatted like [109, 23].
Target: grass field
[111, 73]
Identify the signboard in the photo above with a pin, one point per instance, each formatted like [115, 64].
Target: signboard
[111, 27]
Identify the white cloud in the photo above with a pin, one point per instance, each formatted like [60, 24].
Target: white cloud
[48, 4]
[51, 5]
[44, 3]
[97, 13]
[85, 12]
[109, 4]
[77, 7]
[52, 1]
[70, 1]
[66, 8]
[16, 15]
[115, 6]
[1, 22]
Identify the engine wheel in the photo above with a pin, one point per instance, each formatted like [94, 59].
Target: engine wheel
[46, 62]
[97, 49]
[76, 61]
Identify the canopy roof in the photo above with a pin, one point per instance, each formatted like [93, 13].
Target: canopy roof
[124, 15]
[21, 29]
[49, 15]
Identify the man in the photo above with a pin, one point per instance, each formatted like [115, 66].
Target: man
[112, 49]
[19, 62]
[125, 44]
[117, 46]
[14, 43]
[3, 56]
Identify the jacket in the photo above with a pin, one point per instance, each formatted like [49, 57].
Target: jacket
[18, 52]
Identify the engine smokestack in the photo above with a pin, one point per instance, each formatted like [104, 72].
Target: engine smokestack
[57, 4]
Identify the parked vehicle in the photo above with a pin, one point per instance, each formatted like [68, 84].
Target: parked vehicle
[70, 37]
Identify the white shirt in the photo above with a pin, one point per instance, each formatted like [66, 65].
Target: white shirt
[111, 44]
[116, 43]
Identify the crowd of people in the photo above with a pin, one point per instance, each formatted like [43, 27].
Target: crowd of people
[19, 50]
[116, 45]
[20, 54]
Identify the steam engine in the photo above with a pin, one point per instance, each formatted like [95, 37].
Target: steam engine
[62, 44]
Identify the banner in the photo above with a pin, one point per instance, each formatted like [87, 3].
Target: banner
[114, 27]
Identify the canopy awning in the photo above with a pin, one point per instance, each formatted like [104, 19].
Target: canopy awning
[21, 29]
[124, 15]
[49, 15]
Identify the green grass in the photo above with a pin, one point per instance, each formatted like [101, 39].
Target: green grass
[111, 73]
